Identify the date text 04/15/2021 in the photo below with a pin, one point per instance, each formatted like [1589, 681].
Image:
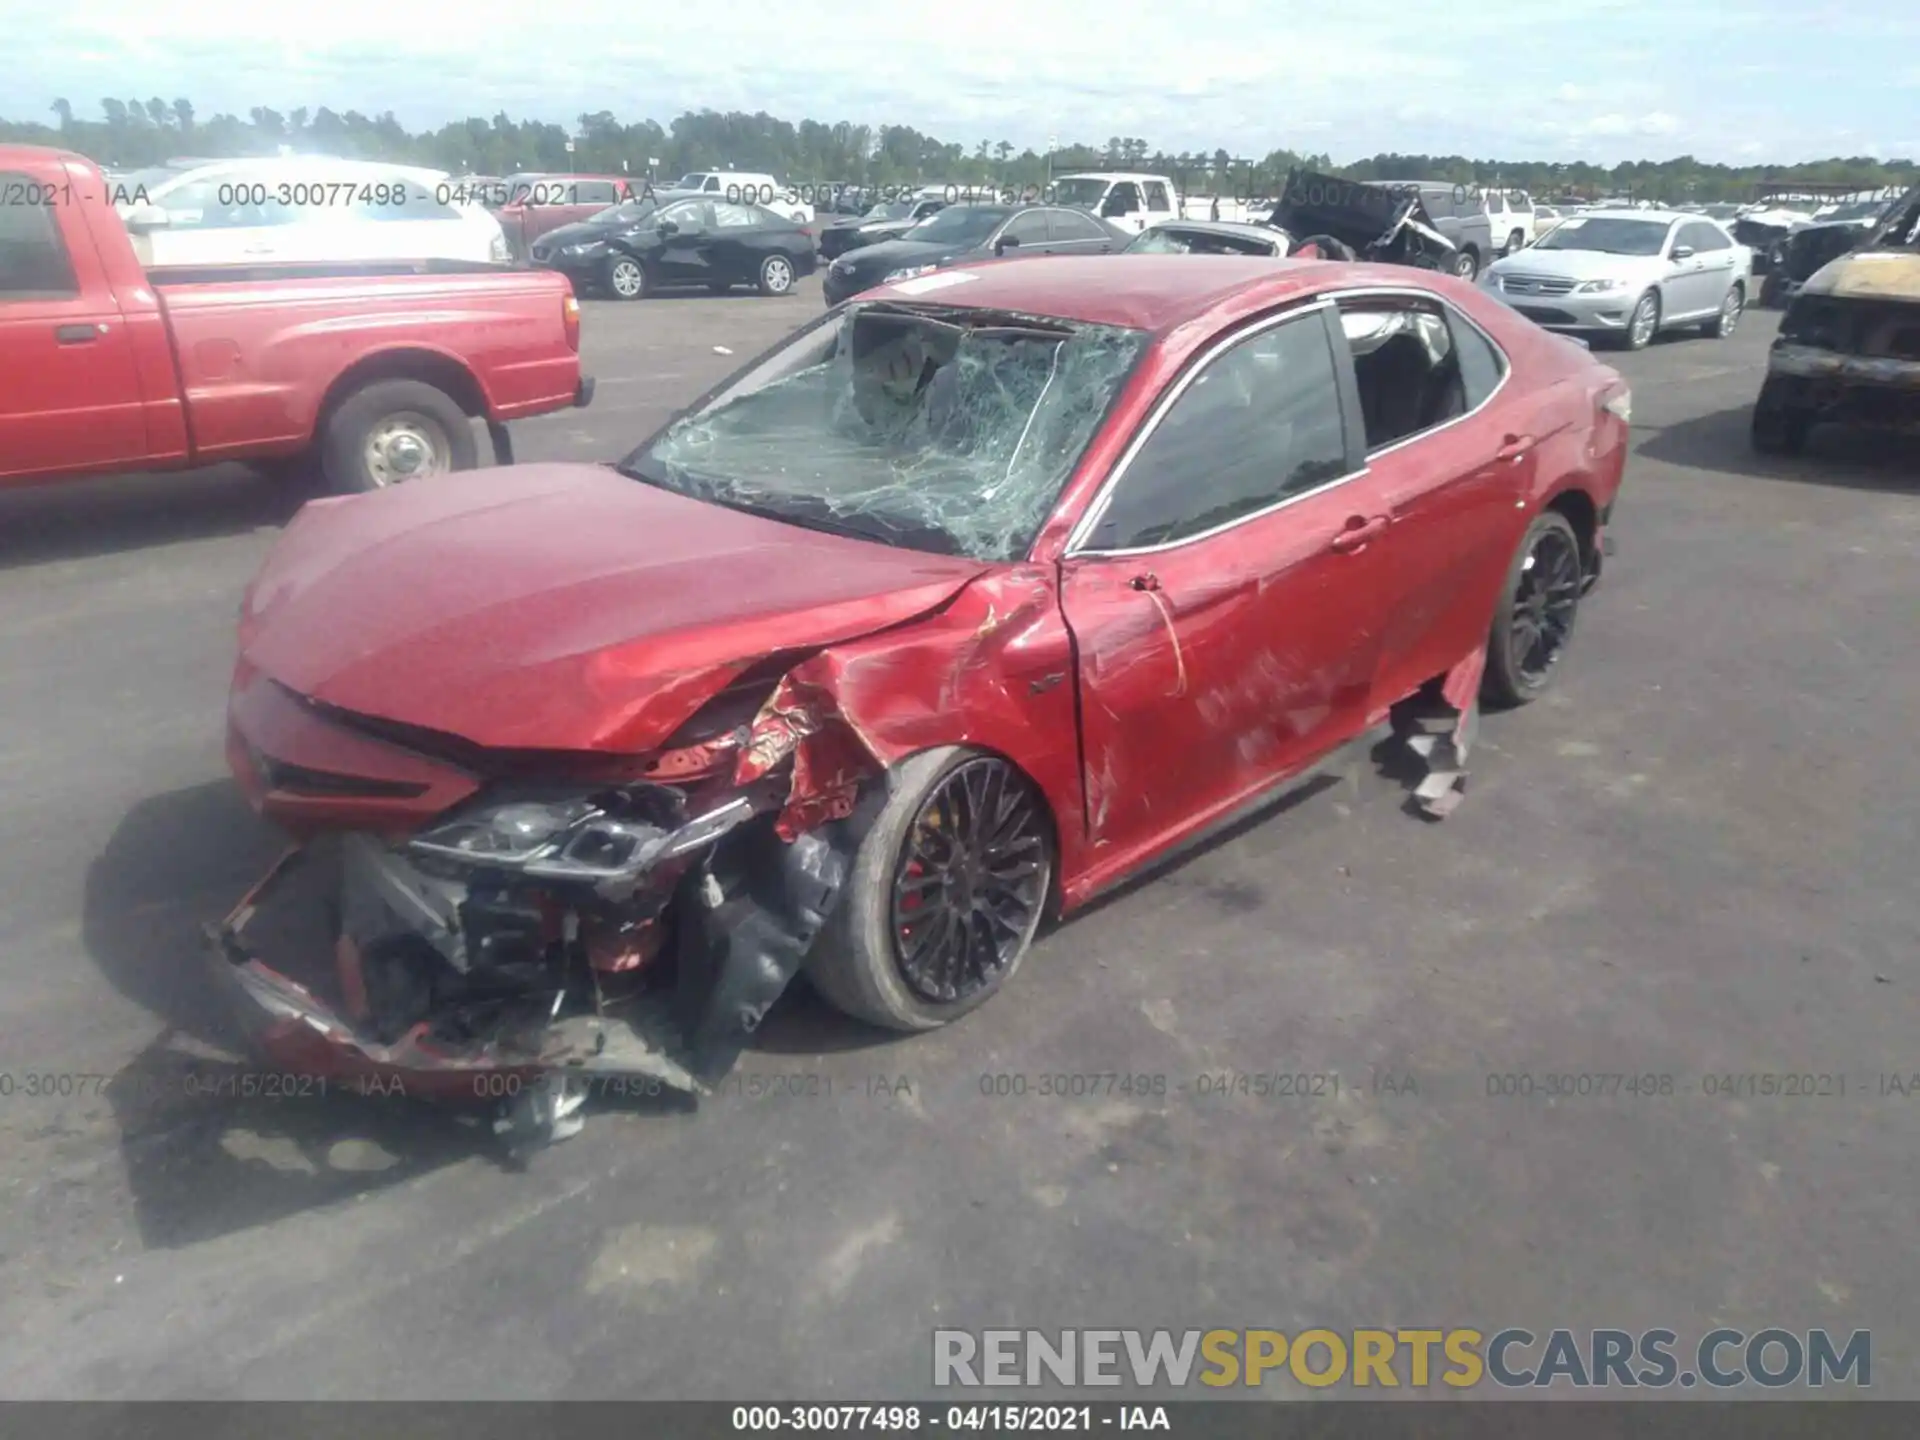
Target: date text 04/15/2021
[959, 1419]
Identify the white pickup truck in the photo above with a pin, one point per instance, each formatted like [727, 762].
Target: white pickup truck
[1131, 201]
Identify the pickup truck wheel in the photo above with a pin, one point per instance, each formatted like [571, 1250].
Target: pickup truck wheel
[776, 275]
[1516, 242]
[627, 278]
[946, 891]
[1466, 264]
[395, 430]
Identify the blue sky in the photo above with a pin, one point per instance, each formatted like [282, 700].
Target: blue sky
[1600, 80]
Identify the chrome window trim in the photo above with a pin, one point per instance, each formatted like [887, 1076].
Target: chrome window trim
[1506, 365]
[1171, 397]
[1326, 300]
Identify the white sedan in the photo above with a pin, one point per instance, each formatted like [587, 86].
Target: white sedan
[303, 209]
[1627, 275]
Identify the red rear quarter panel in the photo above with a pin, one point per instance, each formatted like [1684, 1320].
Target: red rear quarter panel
[258, 357]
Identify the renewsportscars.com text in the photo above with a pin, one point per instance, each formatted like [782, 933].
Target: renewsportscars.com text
[1458, 1358]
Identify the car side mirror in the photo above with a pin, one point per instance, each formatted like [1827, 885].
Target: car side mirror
[668, 227]
[142, 219]
[1006, 243]
[1683, 252]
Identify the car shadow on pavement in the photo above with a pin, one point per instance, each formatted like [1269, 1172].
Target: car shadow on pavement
[108, 514]
[1845, 458]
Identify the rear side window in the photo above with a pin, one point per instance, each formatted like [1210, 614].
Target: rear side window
[1029, 227]
[1072, 225]
[1259, 424]
[1123, 199]
[33, 258]
[1481, 364]
[1703, 237]
[1438, 201]
[1496, 203]
[737, 217]
[1157, 197]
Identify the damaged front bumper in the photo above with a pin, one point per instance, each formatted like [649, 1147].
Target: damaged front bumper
[1879, 392]
[371, 963]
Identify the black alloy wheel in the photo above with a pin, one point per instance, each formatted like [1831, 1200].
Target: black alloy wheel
[970, 883]
[1544, 605]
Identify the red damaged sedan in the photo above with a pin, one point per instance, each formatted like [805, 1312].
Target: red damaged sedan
[960, 605]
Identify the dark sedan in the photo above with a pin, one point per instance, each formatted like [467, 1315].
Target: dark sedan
[633, 249]
[965, 232]
[888, 220]
[1211, 237]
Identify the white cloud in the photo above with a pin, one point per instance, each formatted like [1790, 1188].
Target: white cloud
[1203, 74]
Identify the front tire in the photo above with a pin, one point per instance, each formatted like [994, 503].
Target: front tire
[1466, 264]
[776, 275]
[946, 892]
[1535, 617]
[627, 278]
[1778, 428]
[392, 431]
[1644, 323]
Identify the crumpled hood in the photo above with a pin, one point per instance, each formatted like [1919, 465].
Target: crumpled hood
[559, 607]
[1869, 274]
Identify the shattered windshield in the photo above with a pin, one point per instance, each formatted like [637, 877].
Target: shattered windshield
[1608, 235]
[927, 427]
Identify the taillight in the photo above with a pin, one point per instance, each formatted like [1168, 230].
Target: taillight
[1619, 404]
[570, 321]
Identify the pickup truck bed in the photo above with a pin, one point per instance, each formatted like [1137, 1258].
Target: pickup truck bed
[108, 368]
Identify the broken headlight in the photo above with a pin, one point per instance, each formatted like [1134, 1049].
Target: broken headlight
[895, 276]
[505, 834]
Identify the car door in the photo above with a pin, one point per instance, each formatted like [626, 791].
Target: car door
[742, 235]
[1224, 598]
[687, 254]
[1072, 232]
[1123, 206]
[1448, 465]
[1159, 203]
[1720, 262]
[1693, 284]
[1029, 233]
[71, 399]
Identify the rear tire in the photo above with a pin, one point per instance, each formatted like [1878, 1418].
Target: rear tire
[776, 275]
[1466, 264]
[1516, 242]
[1534, 603]
[392, 431]
[857, 962]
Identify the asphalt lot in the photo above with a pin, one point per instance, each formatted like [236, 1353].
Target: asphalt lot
[1696, 858]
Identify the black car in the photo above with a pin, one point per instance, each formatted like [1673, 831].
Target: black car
[888, 220]
[964, 232]
[1211, 237]
[633, 249]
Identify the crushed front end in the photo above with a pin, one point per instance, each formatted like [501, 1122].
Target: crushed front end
[541, 938]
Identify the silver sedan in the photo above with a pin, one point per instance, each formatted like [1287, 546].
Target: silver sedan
[1627, 275]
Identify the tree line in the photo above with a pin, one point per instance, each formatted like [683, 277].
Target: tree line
[132, 133]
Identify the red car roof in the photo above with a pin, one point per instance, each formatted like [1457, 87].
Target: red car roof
[1142, 292]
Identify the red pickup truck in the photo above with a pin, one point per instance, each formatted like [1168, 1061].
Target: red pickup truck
[379, 370]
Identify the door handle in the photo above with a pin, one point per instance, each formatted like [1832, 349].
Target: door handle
[1359, 530]
[78, 334]
[1149, 581]
[1513, 447]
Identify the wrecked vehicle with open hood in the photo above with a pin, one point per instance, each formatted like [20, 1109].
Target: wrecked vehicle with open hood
[1848, 350]
[952, 610]
[1338, 219]
[1791, 261]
